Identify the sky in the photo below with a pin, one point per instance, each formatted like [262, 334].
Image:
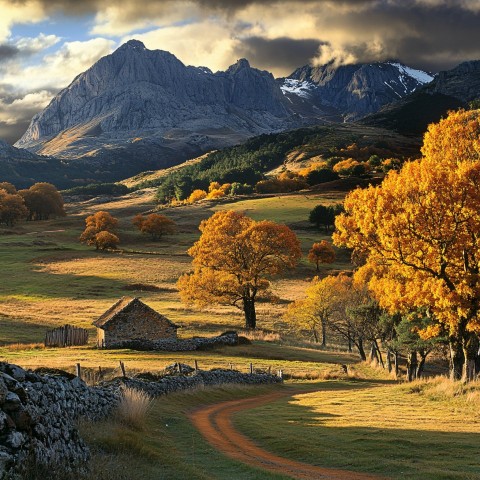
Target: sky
[44, 44]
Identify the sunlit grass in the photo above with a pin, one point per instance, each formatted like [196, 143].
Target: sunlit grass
[401, 431]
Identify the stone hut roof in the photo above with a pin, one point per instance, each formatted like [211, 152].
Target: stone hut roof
[123, 304]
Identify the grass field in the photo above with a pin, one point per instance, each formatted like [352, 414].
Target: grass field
[364, 421]
[168, 447]
[51, 279]
[422, 430]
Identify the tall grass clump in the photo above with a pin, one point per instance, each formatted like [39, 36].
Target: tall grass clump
[133, 407]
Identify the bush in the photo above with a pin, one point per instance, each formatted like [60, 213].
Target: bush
[321, 175]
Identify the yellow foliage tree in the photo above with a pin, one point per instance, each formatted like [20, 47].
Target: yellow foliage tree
[196, 196]
[233, 258]
[323, 299]
[420, 234]
[321, 252]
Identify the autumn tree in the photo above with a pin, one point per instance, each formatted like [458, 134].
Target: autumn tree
[43, 200]
[8, 187]
[155, 225]
[12, 208]
[420, 234]
[321, 252]
[233, 259]
[324, 299]
[105, 240]
[97, 225]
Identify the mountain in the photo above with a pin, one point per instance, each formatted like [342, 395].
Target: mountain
[349, 92]
[144, 107]
[449, 90]
[140, 109]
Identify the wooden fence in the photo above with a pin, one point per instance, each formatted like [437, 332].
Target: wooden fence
[66, 336]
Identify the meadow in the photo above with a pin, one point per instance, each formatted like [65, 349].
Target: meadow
[364, 420]
[51, 279]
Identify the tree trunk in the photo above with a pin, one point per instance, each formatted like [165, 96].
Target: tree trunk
[349, 342]
[324, 333]
[378, 353]
[412, 364]
[470, 351]
[421, 364]
[250, 314]
[361, 351]
[315, 335]
[389, 360]
[456, 358]
[318, 266]
[395, 362]
[374, 353]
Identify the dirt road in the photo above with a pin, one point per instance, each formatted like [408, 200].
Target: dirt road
[215, 424]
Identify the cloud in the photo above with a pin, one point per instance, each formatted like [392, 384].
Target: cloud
[15, 114]
[278, 54]
[58, 69]
[18, 13]
[8, 52]
[201, 43]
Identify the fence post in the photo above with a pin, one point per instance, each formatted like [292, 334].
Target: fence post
[79, 371]
[122, 367]
[251, 368]
[196, 366]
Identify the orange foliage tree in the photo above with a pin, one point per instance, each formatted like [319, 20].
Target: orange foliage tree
[97, 225]
[104, 240]
[420, 234]
[12, 207]
[155, 225]
[42, 201]
[321, 252]
[233, 258]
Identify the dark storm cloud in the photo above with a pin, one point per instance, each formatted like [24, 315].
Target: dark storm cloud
[433, 37]
[285, 53]
[8, 52]
[12, 133]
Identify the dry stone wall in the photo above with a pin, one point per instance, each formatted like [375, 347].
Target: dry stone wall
[178, 345]
[38, 412]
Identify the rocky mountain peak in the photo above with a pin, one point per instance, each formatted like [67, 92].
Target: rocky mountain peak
[140, 93]
[241, 64]
[132, 44]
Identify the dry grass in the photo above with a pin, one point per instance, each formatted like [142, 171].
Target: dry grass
[21, 347]
[133, 408]
[261, 336]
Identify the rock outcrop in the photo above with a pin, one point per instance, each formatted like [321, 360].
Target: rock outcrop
[449, 90]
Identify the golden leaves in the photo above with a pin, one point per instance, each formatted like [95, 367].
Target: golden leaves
[420, 229]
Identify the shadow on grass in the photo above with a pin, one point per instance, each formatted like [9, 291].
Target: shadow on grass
[294, 430]
[17, 331]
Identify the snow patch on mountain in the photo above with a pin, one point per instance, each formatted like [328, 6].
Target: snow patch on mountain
[297, 87]
[419, 75]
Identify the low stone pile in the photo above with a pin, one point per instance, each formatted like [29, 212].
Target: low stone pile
[161, 385]
[179, 345]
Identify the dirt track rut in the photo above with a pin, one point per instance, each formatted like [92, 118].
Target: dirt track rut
[215, 424]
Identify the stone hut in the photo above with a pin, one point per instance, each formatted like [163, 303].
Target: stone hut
[131, 319]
